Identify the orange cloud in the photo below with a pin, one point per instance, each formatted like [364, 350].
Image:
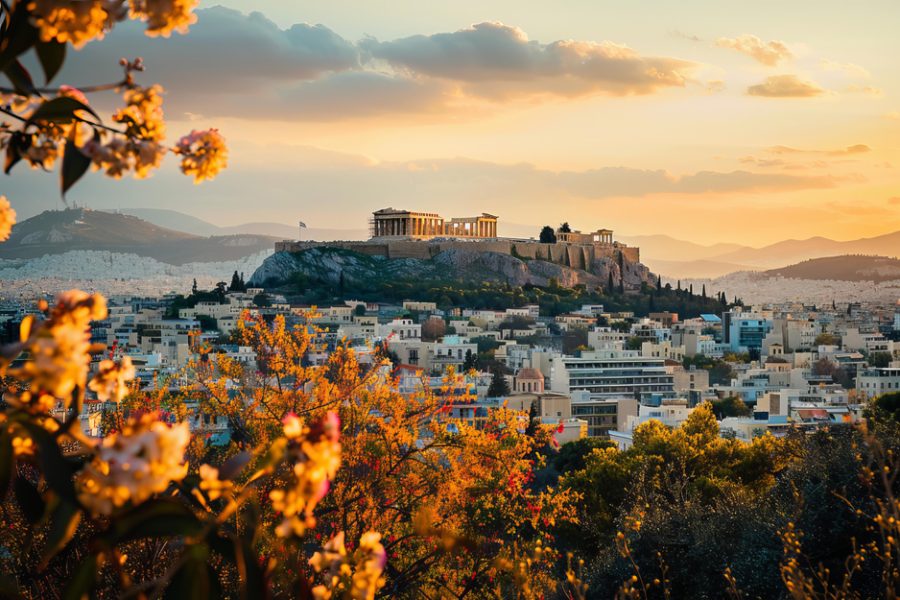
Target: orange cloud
[785, 86]
[494, 60]
[767, 53]
[854, 149]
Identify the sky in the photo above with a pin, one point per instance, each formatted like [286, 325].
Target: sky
[707, 120]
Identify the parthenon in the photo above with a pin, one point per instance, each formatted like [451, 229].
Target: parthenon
[390, 222]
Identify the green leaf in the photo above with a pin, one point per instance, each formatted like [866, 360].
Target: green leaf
[52, 56]
[63, 524]
[20, 78]
[82, 580]
[155, 518]
[20, 35]
[60, 110]
[7, 463]
[18, 143]
[29, 499]
[57, 471]
[195, 580]
[75, 164]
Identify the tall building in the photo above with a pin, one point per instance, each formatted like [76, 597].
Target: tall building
[743, 331]
[611, 375]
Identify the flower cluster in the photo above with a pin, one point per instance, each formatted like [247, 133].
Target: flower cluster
[7, 218]
[362, 579]
[75, 21]
[203, 154]
[164, 16]
[211, 484]
[317, 451]
[110, 381]
[81, 21]
[141, 149]
[132, 465]
[60, 351]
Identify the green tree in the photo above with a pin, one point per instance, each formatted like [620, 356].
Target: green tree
[499, 386]
[548, 236]
[564, 228]
[732, 406]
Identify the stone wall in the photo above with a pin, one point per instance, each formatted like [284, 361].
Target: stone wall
[577, 256]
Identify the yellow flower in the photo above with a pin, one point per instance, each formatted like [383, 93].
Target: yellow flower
[210, 482]
[143, 113]
[7, 218]
[141, 460]
[318, 454]
[164, 16]
[59, 351]
[109, 382]
[74, 21]
[203, 154]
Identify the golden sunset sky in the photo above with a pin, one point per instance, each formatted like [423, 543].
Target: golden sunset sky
[712, 120]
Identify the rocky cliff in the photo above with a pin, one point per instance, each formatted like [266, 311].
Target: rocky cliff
[335, 265]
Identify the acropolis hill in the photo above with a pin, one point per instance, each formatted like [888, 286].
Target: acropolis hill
[409, 234]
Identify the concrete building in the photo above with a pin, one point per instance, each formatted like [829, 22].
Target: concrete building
[603, 415]
[611, 375]
[744, 331]
[397, 223]
[875, 382]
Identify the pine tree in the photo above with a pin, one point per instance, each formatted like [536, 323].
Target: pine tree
[194, 288]
[499, 386]
[470, 362]
[235, 283]
[691, 291]
[609, 286]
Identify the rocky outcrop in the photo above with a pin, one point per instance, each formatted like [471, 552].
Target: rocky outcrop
[335, 264]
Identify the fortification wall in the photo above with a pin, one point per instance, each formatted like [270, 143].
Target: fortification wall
[577, 256]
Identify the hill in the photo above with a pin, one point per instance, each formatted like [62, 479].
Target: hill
[842, 268]
[59, 232]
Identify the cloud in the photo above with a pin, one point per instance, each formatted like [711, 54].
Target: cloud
[226, 51]
[494, 60]
[685, 36]
[244, 65]
[868, 90]
[850, 69]
[849, 150]
[785, 86]
[767, 53]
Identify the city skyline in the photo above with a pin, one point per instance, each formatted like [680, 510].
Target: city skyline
[714, 123]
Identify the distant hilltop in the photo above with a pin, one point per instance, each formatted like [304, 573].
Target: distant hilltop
[400, 233]
[56, 232]
[410, 245]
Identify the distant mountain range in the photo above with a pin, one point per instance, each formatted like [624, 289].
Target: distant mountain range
[58, 232]
[677, 258]
[842, 268]
[172, 219]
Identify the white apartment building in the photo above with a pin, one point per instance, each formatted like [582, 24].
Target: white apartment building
[611, 374]
[875, 382]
